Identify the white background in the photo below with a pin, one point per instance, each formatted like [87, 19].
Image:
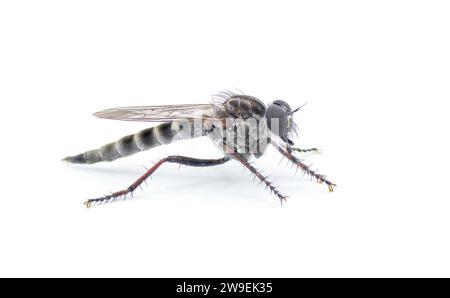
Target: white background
[376, 78]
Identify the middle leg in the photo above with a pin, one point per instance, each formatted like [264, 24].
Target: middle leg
[260, 176]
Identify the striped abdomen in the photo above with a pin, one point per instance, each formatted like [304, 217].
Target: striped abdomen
[145, 139]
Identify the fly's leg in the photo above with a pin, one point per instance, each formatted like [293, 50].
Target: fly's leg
[182, 160]
[260, 177]
[319, 178]
[313, 150]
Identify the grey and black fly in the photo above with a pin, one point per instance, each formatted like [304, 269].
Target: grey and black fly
[240, 125]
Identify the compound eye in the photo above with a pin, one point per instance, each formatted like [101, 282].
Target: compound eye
[277, 119]
[284, 104]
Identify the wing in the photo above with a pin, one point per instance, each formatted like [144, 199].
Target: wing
[161, 113]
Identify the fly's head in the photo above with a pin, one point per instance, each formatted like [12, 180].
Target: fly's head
[280, 120]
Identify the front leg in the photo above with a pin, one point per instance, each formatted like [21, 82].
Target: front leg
[288, 154]
[313, 150]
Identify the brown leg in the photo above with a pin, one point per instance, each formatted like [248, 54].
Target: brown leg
[182, 160]
[319, 178]
[260, 177]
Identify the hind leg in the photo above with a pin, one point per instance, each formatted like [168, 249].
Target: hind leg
[182, 160]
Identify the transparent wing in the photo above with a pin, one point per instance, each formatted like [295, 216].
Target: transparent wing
[161, 113]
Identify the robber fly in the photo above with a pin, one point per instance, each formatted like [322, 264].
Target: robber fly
[240, 125]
